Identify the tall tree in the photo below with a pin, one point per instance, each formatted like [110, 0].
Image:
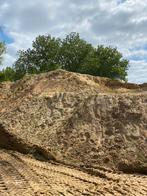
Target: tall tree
[112, 64]
[9, 74]
[42, 57]
[2, 51]
[74, 52]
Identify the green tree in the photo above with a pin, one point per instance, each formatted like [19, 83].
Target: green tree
[2, 76]
[105, 62]
[43, 57]
[73, 52]
[111, 63]
[2, 51]
[91, 64]
[9, 74]
[45, 53]
[21, 65]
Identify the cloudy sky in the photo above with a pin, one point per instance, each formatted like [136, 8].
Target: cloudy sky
[121, 23]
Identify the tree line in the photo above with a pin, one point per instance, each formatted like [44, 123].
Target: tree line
[71, 53]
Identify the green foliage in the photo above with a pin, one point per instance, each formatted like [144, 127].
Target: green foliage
[2, 76]
[112, 65]
[7, 74]
[105, 62]
[20, 66]
[2, 51]
[45, 53]
[43, 57]
[91, 64]
[72, 54]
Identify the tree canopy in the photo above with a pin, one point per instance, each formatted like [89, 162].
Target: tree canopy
[72, 54]
[2, 51]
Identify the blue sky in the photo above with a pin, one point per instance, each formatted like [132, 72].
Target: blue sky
[5, 37]
[120, 23]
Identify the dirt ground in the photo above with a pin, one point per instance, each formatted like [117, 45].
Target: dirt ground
[23, 175]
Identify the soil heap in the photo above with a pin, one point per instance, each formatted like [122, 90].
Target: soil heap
[94, 124]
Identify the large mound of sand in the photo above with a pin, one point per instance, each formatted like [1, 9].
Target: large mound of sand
[76, 119]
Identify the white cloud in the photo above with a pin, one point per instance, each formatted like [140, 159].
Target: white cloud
[136, 74]
[121, 23]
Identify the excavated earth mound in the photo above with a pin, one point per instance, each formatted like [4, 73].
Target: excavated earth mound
[64, 133]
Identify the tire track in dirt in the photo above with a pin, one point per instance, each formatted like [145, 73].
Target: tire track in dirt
[126, 188]
[3, 187]
[25, 176]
